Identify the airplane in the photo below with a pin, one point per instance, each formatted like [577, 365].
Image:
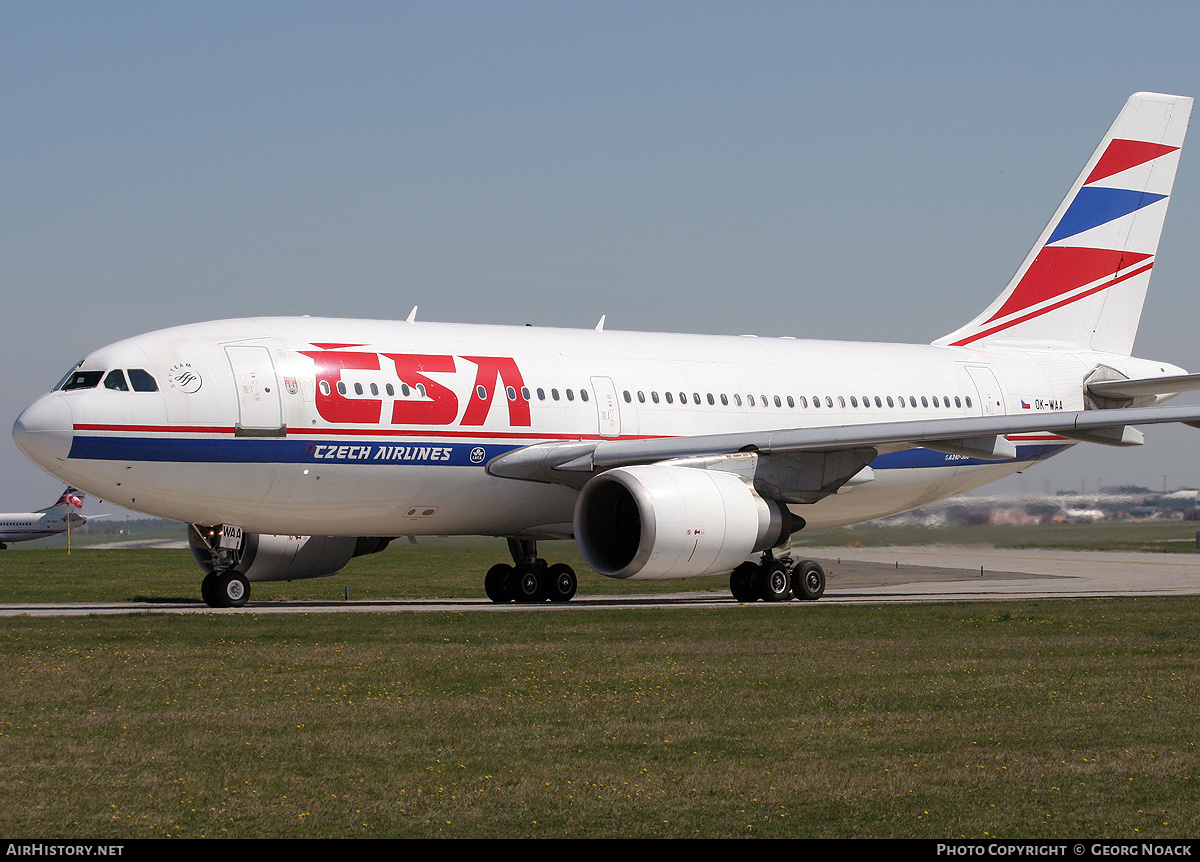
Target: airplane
[25, 526]
[292, 445]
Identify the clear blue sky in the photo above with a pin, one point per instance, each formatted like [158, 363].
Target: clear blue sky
[854, 170]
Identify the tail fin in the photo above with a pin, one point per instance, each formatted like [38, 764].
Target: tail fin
[70, 498]
[1083, 283]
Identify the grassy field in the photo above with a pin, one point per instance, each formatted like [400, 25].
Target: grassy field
[1053, 719]
[981, 720]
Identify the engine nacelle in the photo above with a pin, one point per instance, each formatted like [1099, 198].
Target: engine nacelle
[661, 521]
[266, 557]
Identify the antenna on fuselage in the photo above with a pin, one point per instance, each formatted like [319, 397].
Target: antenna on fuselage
[600, 325]
[412, 315]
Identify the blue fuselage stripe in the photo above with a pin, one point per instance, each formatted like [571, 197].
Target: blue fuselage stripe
[435, 453]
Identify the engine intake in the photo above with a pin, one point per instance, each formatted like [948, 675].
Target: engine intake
[661, 521]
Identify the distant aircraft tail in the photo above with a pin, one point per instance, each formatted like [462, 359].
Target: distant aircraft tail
[70, 499]
[1083, 283]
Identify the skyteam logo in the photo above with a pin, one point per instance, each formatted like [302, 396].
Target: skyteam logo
[184, 378]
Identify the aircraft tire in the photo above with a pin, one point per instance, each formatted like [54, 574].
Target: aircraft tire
[499, 583]
[808, 581]
[741, 583]
[208, 591]
[232, 589]
[530, 584]
[561, 582]
[773, 582]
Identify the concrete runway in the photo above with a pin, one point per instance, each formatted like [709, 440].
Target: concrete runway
[854, 576]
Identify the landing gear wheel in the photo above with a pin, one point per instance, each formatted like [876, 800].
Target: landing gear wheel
[741, 583]
[208, 590]
[772, 582]
[230, 589]
[500, 583]
[561, 582]
[530, 584]
[808, 581]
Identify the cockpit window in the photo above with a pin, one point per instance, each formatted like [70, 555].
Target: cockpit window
[142, 381]
[82, 380]
[116, 380]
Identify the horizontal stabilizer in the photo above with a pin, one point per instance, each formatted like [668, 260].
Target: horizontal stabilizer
[1171, 385]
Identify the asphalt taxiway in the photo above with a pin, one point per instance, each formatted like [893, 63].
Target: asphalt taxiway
[854, 576]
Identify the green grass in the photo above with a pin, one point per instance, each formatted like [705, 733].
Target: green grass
[446, 568]
[981, 720]
[1000, 720]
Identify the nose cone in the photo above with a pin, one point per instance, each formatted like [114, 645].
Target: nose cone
[43, 432]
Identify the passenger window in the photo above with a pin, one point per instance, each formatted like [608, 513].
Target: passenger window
[583, 395]
[654, 396]
[670, 400]
[570, 394]
[116, 381]
[641, 397]
[511, 393]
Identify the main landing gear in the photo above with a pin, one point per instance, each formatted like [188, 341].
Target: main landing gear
[777, 580]
[529, 579]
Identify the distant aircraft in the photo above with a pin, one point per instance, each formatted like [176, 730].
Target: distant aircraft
[24, 526]
[293, 444]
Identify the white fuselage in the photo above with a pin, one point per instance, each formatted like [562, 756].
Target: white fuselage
[345, 427]
[24, 526]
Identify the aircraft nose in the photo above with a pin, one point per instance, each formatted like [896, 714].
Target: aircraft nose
[43, 432]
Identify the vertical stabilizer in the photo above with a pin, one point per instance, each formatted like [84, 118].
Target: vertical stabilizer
[1083, 283]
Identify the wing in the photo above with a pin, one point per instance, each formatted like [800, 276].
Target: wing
[805, 464]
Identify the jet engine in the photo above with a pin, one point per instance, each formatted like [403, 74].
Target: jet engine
[266, 557]
[662, 521]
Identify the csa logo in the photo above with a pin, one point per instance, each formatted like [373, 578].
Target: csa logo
[184, 378]
[477, 455]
